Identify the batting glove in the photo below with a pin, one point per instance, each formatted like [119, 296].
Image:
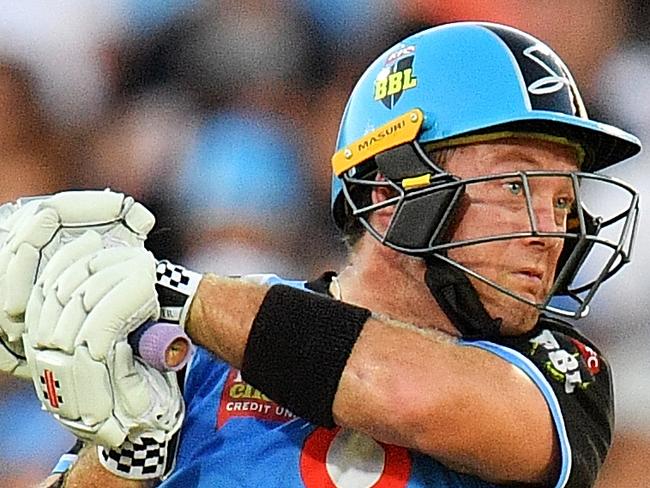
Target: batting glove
[33, 229]
[144, 457]
[84, 371]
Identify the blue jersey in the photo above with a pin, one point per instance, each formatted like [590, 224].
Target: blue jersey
[234, 436]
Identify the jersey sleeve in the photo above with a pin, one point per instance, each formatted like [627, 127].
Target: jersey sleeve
[576, 382]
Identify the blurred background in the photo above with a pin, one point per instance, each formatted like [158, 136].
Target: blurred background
[221, 116]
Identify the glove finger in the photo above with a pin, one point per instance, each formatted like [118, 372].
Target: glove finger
[79, 293]
[33, 313]
[103, 207]
[23, 213]
[64, 333]
[69, 281]
[26, 239]
[21, 273]
[111, 267]
[89, 243]
[51, 309]
[131, 389]
[139, 219]
[5, 257]
[130, 303]
[36, 230]
[86, 207]
[115, 256]
[62, 311]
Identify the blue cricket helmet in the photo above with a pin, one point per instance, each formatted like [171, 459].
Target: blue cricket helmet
[476, 77]
[470, 82]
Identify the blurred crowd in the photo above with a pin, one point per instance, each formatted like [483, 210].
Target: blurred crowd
[221, 116]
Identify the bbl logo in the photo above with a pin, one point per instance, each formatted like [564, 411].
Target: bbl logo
[396, 77]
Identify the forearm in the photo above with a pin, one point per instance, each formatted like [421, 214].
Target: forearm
[88, 472]
[464, 407]
[411, 387]
[221, 316]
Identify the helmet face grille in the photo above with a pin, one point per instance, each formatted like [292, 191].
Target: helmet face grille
[596, 243]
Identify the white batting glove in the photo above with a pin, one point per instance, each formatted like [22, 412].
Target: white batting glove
[77, 322]
[12, 354]
[33, 229]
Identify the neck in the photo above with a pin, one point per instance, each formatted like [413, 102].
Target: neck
[391, 283]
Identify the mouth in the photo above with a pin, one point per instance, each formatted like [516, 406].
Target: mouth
[530, 281]
[532, 274]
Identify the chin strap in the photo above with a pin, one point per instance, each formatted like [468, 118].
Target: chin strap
[459, 301]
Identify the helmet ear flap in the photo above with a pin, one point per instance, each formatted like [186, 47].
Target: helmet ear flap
[421, 222]
[421, 218]
[402, 162]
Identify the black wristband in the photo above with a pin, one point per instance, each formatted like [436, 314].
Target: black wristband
[297, 349]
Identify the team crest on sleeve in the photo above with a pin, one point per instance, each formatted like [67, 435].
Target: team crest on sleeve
[565, 360]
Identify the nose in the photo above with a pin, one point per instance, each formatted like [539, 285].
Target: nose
[547, 219]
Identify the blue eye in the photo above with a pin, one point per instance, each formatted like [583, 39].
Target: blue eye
[564, 203]
[514, 187]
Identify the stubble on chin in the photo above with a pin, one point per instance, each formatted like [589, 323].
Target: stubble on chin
[517, 317]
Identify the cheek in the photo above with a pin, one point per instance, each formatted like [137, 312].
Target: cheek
[480, 221]
[469, 226]
[485, 259]
[484, 220]
[553, 258]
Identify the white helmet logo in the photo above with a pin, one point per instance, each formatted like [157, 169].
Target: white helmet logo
[552, 83]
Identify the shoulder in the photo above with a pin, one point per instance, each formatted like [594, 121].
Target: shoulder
[564, 354]
[575, 379]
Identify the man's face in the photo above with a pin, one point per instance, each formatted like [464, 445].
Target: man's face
[525, 266]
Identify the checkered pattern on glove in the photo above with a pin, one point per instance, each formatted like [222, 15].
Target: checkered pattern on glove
[176, 287]
[139, 459]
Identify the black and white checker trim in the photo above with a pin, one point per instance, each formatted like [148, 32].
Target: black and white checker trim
[175, 286]
[142, 459]
[177, 277]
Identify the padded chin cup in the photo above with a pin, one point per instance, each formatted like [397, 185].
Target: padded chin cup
[459, 300]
